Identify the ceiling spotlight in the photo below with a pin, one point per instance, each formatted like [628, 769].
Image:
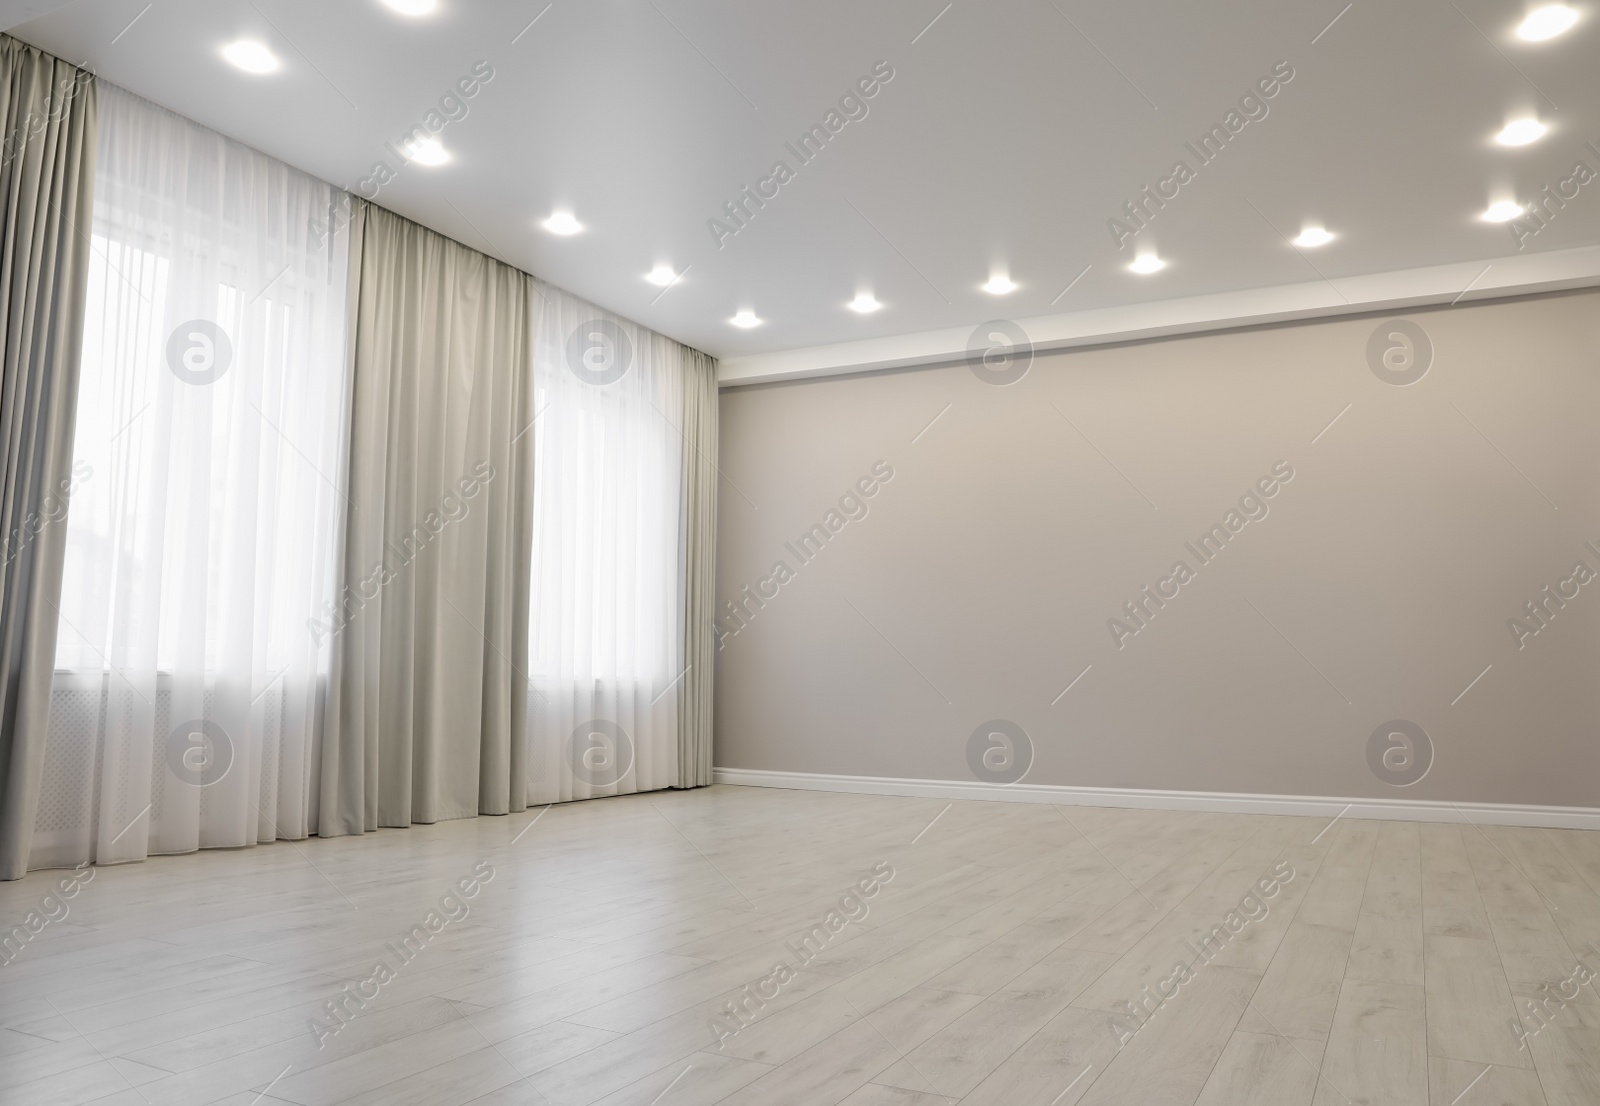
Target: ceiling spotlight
[1147, 263]
[1520, 132]
[1311, 237]
[1502, 211]
[426, 151]
[864, 303]
[999, 285]
[562, 222]
[745, 319]
[1546, 22]
[413, 7]
[661, 276]
[251, 56]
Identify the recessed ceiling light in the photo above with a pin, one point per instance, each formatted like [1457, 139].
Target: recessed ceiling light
[661, 276]
[427, 151]
[1147, 263]
[864, 303]
[251, 56]
[745, 319]
[999, 285]
[562, 222]
[1520, 132]
[1312, 237]
[412, 7]
[1546, 22]
[1502, 211]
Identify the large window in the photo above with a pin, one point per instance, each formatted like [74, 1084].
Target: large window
[201, 538]
[607, 631]
[607, 476]
[177, 457]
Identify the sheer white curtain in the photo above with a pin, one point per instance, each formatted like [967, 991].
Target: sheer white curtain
[606, 633]
[202, 531]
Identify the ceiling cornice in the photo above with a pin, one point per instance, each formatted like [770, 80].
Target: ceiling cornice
[1439, 284]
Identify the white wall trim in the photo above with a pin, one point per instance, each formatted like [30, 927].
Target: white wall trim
[1518, 274]
[1400, 810]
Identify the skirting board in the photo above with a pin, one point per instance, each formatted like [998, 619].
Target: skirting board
[1399, 810]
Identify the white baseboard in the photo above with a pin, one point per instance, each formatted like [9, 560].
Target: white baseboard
[1401, 810]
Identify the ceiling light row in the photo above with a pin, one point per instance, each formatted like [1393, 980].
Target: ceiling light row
[999, 284]
[1540, 25]
[254, 57]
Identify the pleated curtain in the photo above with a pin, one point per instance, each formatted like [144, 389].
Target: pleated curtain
[425, 713]
[698, 565]
[47, 117]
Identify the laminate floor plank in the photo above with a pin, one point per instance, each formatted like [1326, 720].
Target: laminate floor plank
[1377, 1051]
[1262, 1070]
[733, 946]
[1470, 1011]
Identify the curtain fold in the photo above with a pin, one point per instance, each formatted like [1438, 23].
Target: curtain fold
[425, 717]
[47, 112]
[210, 419]
[699, 567]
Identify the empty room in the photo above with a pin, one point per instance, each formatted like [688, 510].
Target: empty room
[692, 553]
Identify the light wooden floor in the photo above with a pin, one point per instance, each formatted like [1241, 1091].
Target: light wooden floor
[1389, 970]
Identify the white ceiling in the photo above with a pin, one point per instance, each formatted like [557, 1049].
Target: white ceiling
[1010, 133]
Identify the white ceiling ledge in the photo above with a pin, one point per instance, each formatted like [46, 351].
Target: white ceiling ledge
[1439, 284]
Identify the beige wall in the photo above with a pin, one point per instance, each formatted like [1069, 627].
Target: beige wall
[1380, 582]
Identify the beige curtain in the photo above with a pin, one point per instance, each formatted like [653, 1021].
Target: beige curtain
[699, 426]
[425, 715]
[47, 112]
